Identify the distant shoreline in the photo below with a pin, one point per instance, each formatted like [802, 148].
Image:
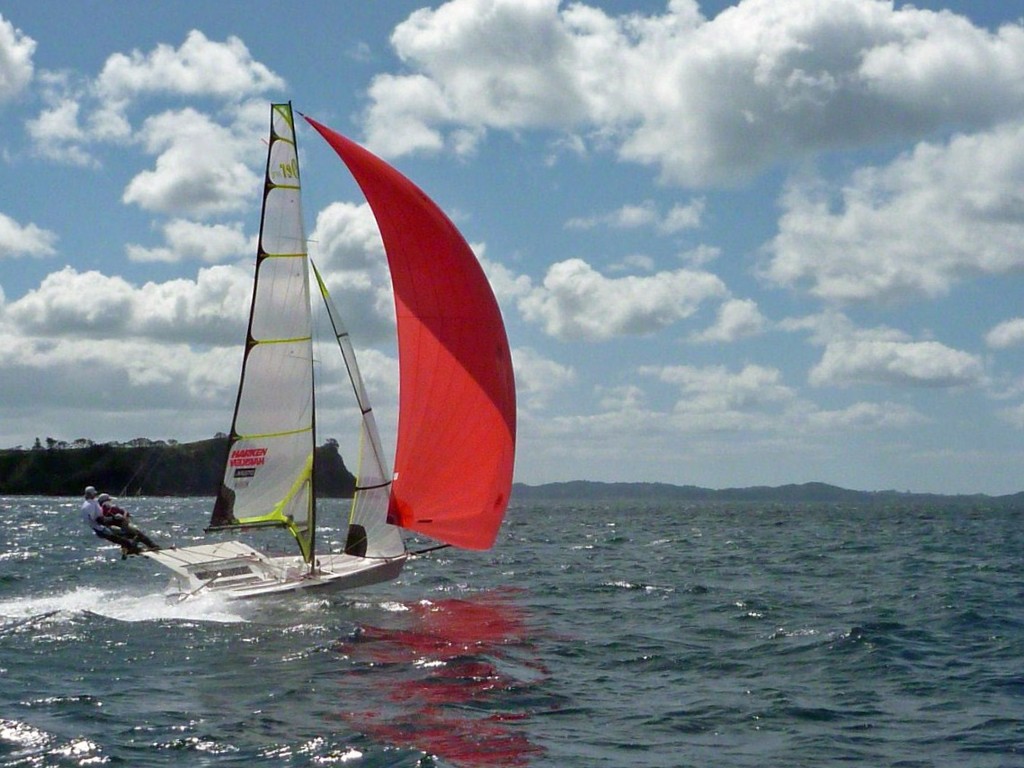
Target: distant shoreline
[158, 468]
[804, 493]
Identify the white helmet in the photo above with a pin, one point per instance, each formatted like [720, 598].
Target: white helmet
[103, 498]
[90, 492]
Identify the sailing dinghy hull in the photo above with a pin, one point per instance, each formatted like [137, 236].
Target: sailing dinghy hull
[237, 571]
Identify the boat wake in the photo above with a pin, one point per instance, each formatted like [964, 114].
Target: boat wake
[118, 605]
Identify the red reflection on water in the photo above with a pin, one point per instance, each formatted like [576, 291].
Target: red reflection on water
[445, 681]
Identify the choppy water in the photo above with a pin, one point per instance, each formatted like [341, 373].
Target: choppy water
[592, 635]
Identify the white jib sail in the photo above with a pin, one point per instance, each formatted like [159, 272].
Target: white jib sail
[373, 478]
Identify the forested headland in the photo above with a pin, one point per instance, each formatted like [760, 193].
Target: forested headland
[142, 467]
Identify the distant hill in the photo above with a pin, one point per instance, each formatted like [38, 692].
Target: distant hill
[142, 467]
[806, 493]
[157, 468]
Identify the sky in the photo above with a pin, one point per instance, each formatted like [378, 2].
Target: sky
[734, 243]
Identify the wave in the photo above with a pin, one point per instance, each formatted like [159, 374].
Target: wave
[118, 605]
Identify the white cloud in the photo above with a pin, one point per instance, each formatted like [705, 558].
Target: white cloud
[829, 325]
[538, 377]
[1007, 334]
[346, 245]
[866, 416]
[701, 255]
[912, 228]
[508, 82]
[508, 287]
[737, 319]
[577, 302]
[24, 239]
[81, 114]
[645, 214]
[882, 355]
[704, 100]
[717, 389]
[200, 167]
[410, 104]
[682, 217]
[893, 362]
[627, 398]
[633, 262]
[86, 354]
[208, 310]
[200, 67]
[57, 135]
[16, 50]
[191, 240]
[714, 398]
[629, 216]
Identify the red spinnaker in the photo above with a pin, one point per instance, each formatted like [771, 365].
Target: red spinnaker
[457, 403]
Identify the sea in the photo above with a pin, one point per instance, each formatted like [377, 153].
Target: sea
[592, 634]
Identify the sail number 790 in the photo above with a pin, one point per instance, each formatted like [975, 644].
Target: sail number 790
[289, 170]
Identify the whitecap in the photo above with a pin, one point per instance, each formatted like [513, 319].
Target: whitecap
[116, 604]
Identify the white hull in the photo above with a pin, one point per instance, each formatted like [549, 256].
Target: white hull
[238, 571]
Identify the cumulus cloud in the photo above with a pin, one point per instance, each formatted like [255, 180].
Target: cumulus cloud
[16, 50]
[866, 416]
[509, 82]
[627, 217]
[895, 362]
[716, 388]
[208, 310]
[165, 355]
[911, 228]
[191, 240]
[199, 67]
[24, 239]
[82, 114]
[645, 214]
[114, 375]
[882, 355]
[538, 377]
[576, 302]
[1007, 334]
[57, 135]
[715, 398]
[705, 101]
[200, 167]
[346, 245]
[737, 319]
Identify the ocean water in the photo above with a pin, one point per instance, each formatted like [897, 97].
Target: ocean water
[592, 635]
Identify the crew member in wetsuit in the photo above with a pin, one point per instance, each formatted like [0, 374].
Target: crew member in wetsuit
[115, 517]
[108, 527]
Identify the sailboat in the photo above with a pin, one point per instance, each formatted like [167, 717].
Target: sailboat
[455, 441]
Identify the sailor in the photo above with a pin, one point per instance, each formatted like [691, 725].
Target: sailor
[91, 509]
[92, 515]
[115, 517]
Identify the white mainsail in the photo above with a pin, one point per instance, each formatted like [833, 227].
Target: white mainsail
[268, 472]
